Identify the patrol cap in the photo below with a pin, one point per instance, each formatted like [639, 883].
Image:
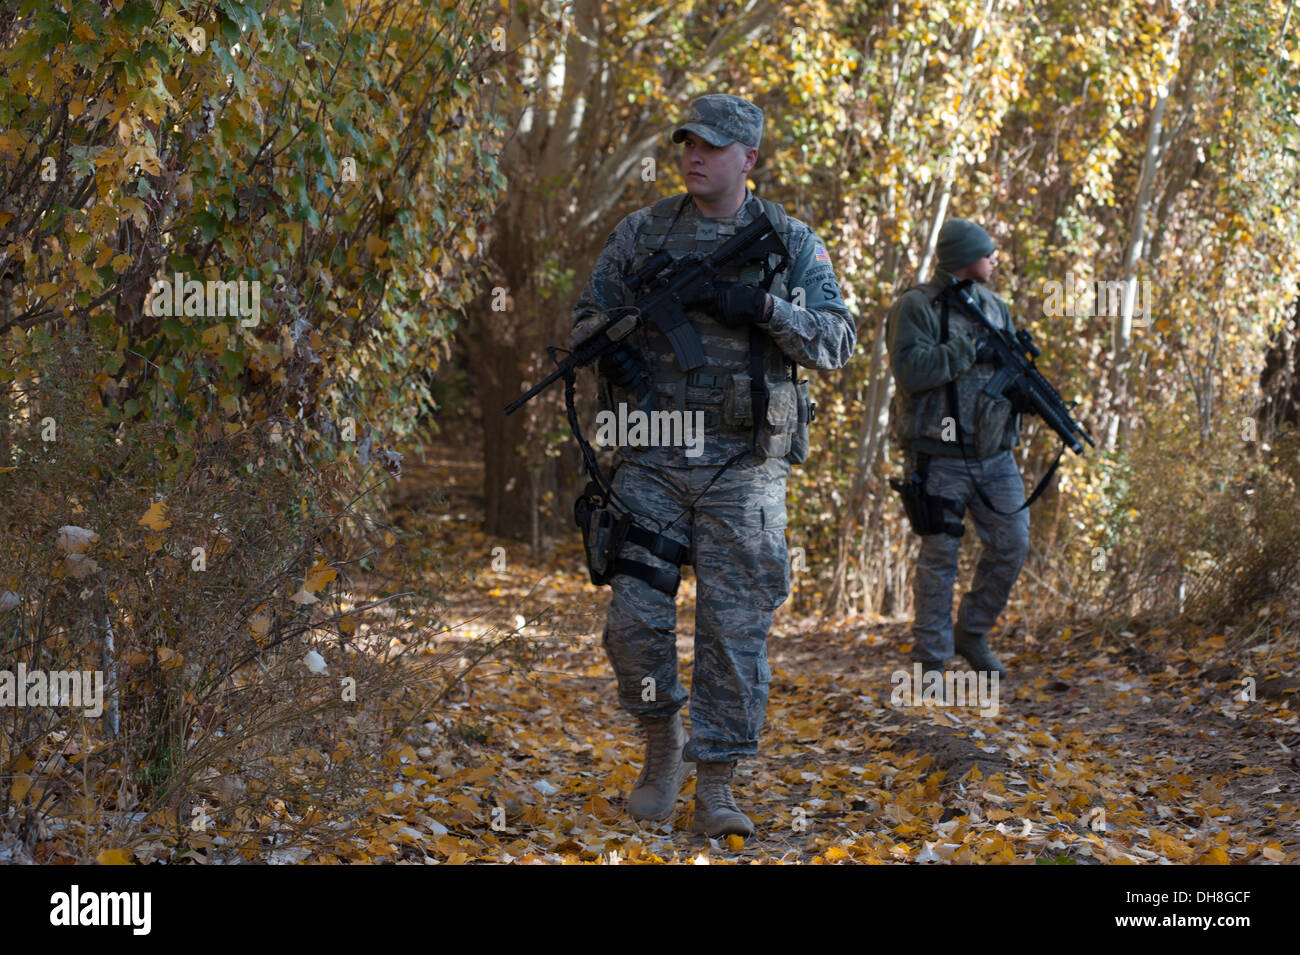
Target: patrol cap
[722, 119]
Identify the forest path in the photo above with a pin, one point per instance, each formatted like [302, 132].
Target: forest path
[1105, 746]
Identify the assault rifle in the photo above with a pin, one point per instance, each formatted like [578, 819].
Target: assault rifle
[664, 288]
[1019, 380]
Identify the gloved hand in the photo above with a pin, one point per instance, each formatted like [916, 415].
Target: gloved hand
[704, 297]
[1020, 403]
[737, 304]
[985, 354]
[585, 329]
[621, 364]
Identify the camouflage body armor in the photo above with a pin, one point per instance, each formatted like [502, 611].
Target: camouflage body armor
[722, 387]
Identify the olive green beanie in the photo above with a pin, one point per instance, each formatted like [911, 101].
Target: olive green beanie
[961, 242]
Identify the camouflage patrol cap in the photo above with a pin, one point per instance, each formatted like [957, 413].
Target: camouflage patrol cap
[722, 119]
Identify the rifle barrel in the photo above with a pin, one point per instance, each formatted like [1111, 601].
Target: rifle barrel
[533, 391]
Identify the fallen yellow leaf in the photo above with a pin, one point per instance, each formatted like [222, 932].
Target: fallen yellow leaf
[21, 786]
[153, 518]
[169, 658]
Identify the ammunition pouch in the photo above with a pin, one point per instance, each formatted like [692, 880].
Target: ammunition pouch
[929, 513]
[785, 410]
[993, 413]
[605, 530]
[775, 438]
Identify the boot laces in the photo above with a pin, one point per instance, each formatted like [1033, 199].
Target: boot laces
[717, 792]
[659, 747]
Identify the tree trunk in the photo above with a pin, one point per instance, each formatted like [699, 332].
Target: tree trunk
[1123, 328]
[1279, 381]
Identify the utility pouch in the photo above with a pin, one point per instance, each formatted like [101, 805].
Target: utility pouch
[807, 414]
[776, 438]
[737, 409]
[929, 513]
[595, 522]
[603, 531]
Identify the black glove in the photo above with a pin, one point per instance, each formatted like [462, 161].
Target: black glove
[738, 304]
[621, 364]
[704, 299]
[1020, 403]
[985, 353]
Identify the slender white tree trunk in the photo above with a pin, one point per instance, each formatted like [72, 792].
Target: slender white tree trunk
[1122, 334]
[950, 167]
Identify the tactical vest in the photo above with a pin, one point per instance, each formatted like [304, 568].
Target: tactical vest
[721, 388]
[988, 425]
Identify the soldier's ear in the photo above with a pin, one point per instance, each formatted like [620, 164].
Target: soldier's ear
[751, 157]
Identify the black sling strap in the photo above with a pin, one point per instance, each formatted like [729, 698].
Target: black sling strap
[661, 546]
[758, 394]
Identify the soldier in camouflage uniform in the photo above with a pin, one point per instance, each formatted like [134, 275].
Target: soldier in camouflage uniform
[972, 443]
[733, 522]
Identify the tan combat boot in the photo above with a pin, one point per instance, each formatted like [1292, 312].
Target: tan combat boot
[655, 794]
[716, 813]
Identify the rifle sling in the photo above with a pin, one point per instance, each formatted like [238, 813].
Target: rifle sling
[758, 394]
[661, 546]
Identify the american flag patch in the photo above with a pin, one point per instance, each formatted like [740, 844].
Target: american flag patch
[820, 255]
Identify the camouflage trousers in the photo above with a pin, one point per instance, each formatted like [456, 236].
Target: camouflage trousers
[737, 534]
[1005, 542]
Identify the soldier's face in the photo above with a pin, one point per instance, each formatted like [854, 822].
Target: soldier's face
[714, 172]
[981, 270]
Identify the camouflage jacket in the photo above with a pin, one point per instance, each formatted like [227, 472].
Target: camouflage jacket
[819, 333]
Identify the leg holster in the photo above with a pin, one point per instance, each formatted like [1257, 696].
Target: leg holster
[605, 530]
[928, 513]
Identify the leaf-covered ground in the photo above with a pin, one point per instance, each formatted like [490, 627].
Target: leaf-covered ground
[1114, 746]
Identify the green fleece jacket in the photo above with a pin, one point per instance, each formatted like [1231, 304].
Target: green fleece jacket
[923, 365]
